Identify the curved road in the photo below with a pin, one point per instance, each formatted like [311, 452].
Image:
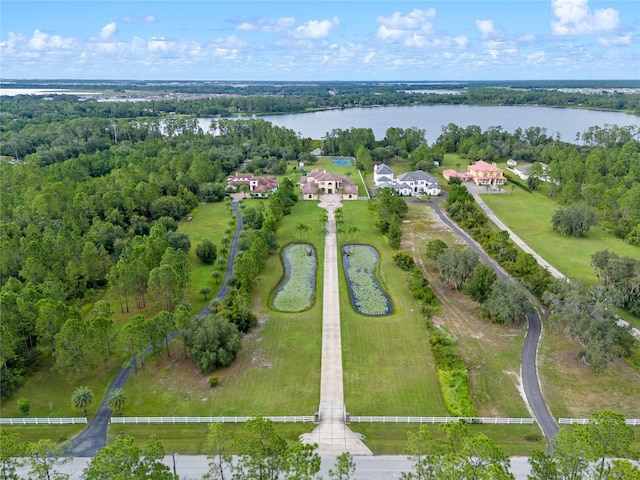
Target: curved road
[528, 366]
[93, 437]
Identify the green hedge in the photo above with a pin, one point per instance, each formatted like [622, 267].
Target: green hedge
[455, 390]
[452, 374]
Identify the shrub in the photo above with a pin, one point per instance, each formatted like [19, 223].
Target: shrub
[206, 252]
[404, 261]
[24, 405]
[213, 382]
[213, 342]
[452, 375]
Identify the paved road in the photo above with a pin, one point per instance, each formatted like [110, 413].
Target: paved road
[528, 362]
[93, 437]
[383, 467]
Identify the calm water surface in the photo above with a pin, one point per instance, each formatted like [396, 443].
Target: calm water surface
[562, 122]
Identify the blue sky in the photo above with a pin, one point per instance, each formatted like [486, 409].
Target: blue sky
[320, 40]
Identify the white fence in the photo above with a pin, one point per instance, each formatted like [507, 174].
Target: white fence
[634, 422]
[42, 421]
[487, 420]
[307, 419]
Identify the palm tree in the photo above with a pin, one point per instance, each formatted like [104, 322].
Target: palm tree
[81, 398]
[117, 400]
[302, 228]
[215, 305]
[217, 275]
[244, 189]
[221, 261]
[205, 292]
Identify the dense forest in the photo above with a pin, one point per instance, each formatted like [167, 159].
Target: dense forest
[91, 192]
[226, 99]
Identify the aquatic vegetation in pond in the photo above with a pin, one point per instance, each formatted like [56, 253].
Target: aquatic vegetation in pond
[297, 290]
[366, 294]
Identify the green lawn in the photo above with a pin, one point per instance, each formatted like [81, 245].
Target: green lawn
[529, 216]
[209, 221]
[388, 368]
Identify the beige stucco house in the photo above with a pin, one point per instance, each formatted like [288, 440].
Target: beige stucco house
[320, 181]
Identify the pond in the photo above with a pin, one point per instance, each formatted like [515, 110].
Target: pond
[366, 294]
[297, 290]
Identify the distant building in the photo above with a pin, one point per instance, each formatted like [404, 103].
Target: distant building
[410, 183]
[260, 187]
[480, 173]
[320, 181]
[382, 173]
[523, 171]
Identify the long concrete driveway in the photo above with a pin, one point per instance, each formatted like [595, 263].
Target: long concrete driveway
[332, 435]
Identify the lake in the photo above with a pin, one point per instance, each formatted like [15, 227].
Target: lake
[562, 122]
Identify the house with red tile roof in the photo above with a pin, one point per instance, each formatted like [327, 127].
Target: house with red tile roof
[480, 173]
[319, 181]
[260, 187]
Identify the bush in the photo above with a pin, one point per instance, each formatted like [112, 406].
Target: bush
[455, 391]
[24, 406]
[206, 252]
[404, 261]
[213, 382]
[213, 342]
[452, 375]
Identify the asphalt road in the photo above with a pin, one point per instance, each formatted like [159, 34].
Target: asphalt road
[528, 365]
[384, 467]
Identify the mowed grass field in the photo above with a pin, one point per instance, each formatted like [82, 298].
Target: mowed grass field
[529, 216]
[387, 362]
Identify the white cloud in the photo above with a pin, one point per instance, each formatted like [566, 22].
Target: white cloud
[44, 41]
[576, 18]
[231, 42]
[277, 25]
[107, 32]
[315, 29]
[146, 19]
[529, 37]
[13, 42]
[626, 39]
[155, 44]
[368, 57]
[398, 27]
[485, 27]
[536, 57]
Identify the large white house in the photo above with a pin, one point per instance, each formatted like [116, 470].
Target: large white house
[406, 184]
